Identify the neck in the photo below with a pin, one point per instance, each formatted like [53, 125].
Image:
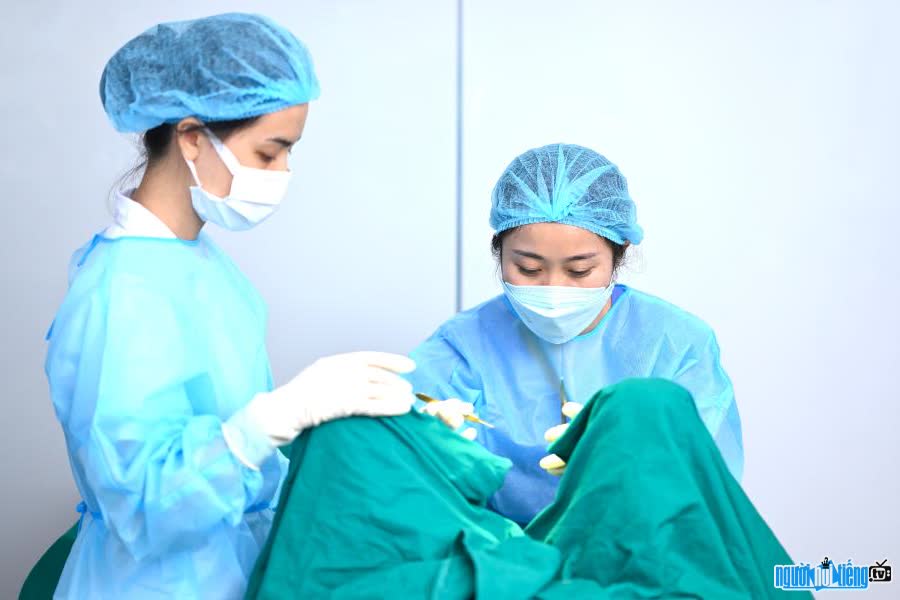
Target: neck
[165, 191]
[599, 318]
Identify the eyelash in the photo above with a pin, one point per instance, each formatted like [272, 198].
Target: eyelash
[265, 157]
[575, 274]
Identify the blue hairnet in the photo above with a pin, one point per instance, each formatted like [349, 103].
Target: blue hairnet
[219, 68]
[564, 183]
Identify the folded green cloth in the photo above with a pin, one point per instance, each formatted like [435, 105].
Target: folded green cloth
[395, 507]
[44, 575]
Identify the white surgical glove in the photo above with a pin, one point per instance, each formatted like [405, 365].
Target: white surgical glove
[452, 412]
[552, 463]
[344, 385]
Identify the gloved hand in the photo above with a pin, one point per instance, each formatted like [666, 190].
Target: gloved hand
[452, 412]
[552, 463]
[344, 385]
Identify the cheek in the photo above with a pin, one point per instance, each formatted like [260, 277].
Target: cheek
[213, 173]
[281, 163]
[510, 274]
[599, 277]
[514, 277]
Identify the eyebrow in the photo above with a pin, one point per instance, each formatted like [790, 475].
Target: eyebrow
[528, 254]
[282, 141]
[575, 258]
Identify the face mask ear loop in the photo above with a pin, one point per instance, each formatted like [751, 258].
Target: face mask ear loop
[217, 146]
[193, 169]
[231, 162]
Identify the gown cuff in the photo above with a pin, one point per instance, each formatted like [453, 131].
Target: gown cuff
[250, 445]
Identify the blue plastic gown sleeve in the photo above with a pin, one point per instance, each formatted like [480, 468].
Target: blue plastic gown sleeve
[702, 374]
[140, 415]
[441, 372]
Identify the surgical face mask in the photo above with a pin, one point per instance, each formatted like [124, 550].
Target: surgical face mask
[255, 193]
[557, 313]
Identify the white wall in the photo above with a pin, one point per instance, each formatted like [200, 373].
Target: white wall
[761, 142]
[373, 201]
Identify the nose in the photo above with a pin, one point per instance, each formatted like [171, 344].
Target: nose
[281, 162]
[555, 277]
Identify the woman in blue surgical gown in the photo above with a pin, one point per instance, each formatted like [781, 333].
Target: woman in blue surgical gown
[564, 327]
[157, 365]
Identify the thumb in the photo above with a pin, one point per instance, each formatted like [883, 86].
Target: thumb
[571, 409]
[554, 433]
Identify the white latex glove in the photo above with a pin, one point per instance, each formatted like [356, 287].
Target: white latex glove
[344, 385]
[552, 463]
[452, 412]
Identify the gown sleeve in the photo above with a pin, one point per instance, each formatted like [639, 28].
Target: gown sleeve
[139, 414]
[702, 374]
[442, 372]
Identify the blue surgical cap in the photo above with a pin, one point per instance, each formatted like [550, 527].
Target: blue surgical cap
[564, 183]
[220, 68]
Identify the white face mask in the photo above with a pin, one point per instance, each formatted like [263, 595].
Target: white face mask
[557, 313]
[255, 193]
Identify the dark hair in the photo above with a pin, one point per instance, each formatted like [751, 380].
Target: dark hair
[618, 250]
[156, 141]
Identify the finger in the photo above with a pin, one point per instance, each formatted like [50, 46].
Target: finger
[380, 391]
[457, 405]
[389, 406]
[557, 472]
[452, 419]
[281, 439]
[432, 408]
[387, 361]
[429, 400]
[284, 434]
[380, 376]
[454, 411]
[376, 392]
[399, 396]
[470, 434]
[554, 433]
[552, 462]
[571, 409]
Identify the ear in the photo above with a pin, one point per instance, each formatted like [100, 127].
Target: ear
[188, 133]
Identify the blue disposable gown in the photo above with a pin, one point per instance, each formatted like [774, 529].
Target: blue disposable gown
[157, 342]
[517, 381]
